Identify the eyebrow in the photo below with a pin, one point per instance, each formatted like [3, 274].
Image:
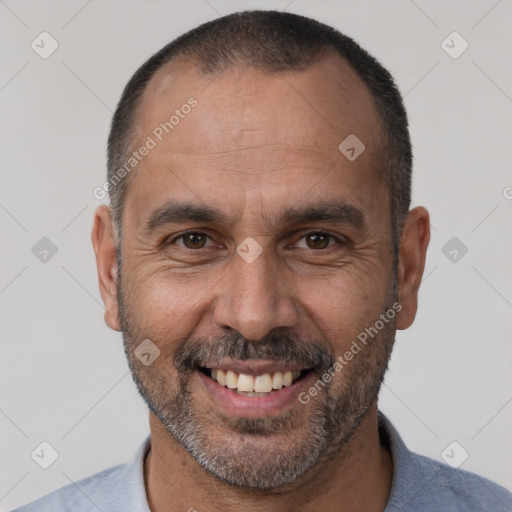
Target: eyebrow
[331, 212]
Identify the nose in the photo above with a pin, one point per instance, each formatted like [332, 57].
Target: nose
[254, 299]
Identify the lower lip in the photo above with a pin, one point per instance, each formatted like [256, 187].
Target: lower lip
[274, 403]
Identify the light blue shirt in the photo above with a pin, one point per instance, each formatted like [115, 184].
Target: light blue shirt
[419, 484]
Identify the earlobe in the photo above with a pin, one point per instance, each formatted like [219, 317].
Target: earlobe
[413, 250]
[104, 244]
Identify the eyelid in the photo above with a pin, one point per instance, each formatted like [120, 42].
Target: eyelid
[173, 239]
[340, 239]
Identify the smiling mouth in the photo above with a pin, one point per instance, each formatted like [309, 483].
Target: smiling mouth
[253, 385]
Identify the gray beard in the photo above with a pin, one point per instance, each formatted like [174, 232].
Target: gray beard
[248, 460]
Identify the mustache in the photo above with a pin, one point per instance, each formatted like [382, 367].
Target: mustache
[193, 354]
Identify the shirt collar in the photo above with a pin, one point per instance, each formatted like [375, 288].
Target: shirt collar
[407, 467]
[131, 491]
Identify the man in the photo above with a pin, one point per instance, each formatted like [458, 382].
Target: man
[258, 256]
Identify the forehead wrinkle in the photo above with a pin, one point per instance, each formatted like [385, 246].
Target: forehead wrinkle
[252, 161]
[321, 150]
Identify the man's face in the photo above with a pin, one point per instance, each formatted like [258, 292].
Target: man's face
[254, 289]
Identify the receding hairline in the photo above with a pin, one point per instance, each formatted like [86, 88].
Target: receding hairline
[189, 62]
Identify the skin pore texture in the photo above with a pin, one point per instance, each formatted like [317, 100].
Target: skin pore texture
[255, 146]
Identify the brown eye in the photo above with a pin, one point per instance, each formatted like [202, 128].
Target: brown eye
[317, 240]
[193, 240]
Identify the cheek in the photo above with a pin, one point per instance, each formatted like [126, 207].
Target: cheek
[342, 306]
[166, 308]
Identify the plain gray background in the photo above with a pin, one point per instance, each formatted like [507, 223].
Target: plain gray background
[63, 375]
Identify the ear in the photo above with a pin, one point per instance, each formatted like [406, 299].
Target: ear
[104, 243]
[413, 251]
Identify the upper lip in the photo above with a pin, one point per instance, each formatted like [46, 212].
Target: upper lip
[254, 367]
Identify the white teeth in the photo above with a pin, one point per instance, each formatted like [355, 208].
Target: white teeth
[277, 380]
[221, 377]
[262, 383]
[231, 379]
[287, 378]
[250, 385]
[245, 382]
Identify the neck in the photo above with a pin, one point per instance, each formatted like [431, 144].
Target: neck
[358, 478]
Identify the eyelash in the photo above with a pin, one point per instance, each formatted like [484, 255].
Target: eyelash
[192, 232]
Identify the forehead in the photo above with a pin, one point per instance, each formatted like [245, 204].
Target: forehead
[251, 132]
[328, 100]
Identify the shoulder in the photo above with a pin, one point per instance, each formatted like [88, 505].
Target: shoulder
[117, 489]
[87, 495]
[423, 484]
[439, 486]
